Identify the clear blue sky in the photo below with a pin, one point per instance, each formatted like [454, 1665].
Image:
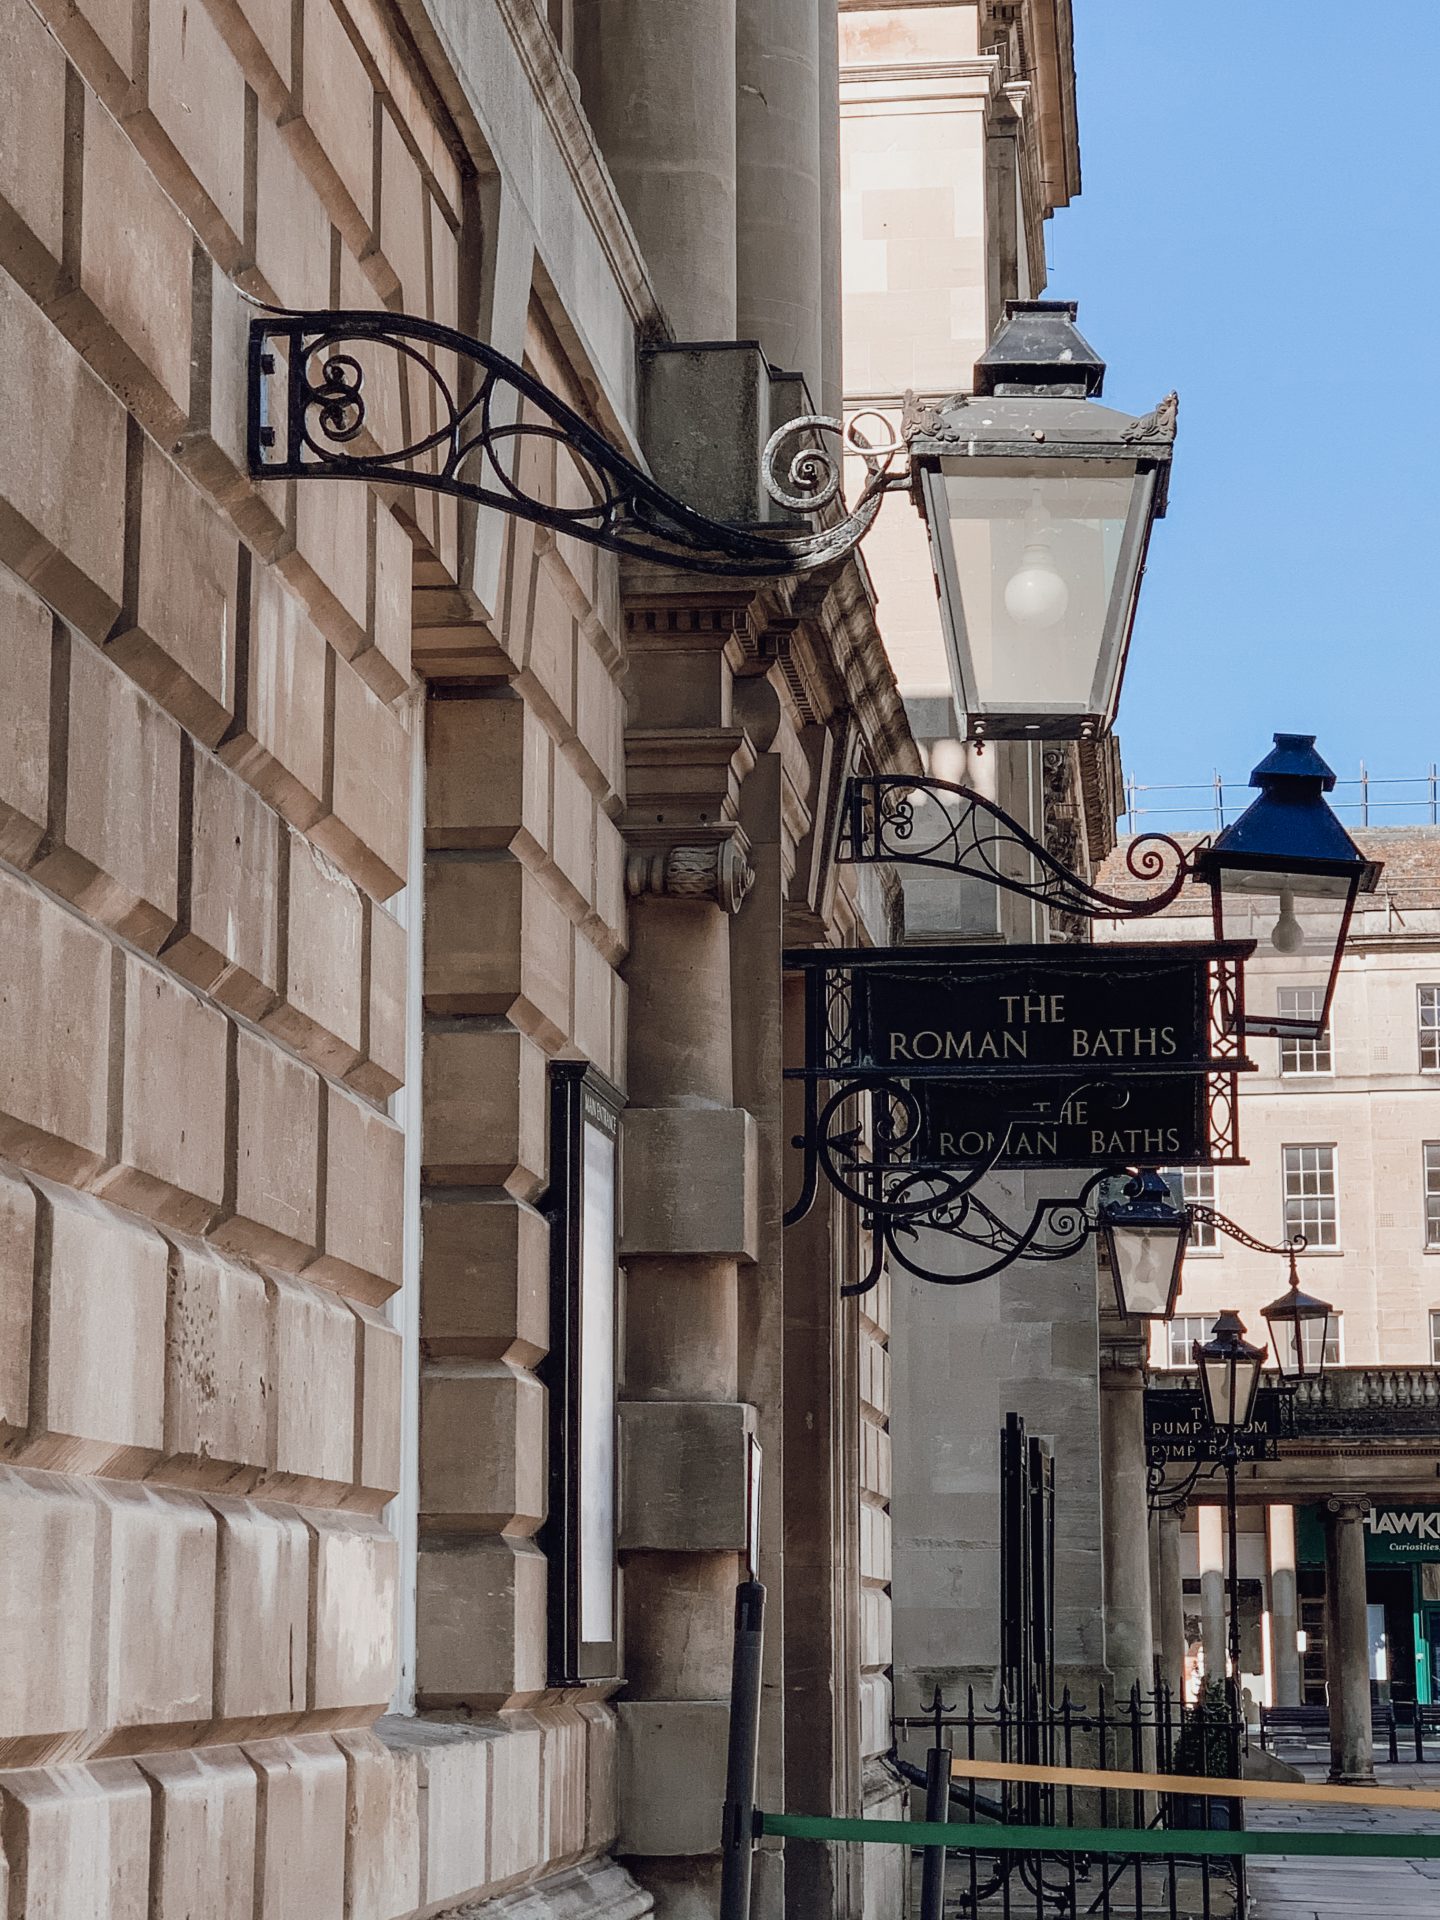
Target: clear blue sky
[1259, 229]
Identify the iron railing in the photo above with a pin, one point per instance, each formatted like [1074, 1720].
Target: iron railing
[1144, 1733]
[1406, 800]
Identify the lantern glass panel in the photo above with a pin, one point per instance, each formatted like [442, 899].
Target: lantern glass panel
[1038, 562]
[1146, 1262]
[1298, 921]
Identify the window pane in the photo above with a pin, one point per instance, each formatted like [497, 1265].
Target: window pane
[1309, 1194]
[1191, 1186]
[1435, 1337]
[1432, 1193]
[1430, 1029]
[1303, 1056]
[1183, 1331]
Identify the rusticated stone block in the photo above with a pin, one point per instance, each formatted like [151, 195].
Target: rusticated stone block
[292, 228]
[196, 97]
[385, 662]
[159, 1603]
[383, 1071]
[328, 565]
[260, 31]
[382, 1875]
[334, 136]
[486, 1279]
[277, 1155]
[302, 1824]
[488, 774]
[591, 1020]
[217, 1362]
[482, 1447]
[203, 1839]
[48, 1525]
[484, 1108]
[102, 1290]
[562, 1775]
[496, 942]
[690, 1181]
[671, 1775]
[321, 1013]
[278, 744]
[178, 639]
[314, 1382]
[352, 1661]
[53, 1099]
[480, 1620]
[62, 470]
[229, 941]
[684, 1474]
[25, 640]
[78, 1841]
[262, 1612]
[452, 1769]
[601, 1741]
[572, 832]
[131, 314]
[368, 830]
[381, 1361]
[32, 160]
[516, 1811]
[364, 1200]
[113, 850]
[17, 1280]
[172, 1136]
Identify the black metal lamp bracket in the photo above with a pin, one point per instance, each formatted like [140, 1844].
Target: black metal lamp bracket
[392, 398]
[960, 832]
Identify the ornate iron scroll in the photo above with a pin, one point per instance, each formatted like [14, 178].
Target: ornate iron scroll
[897, 819]
[462, 433]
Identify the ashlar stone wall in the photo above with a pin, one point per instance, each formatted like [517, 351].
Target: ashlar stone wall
[205, 779]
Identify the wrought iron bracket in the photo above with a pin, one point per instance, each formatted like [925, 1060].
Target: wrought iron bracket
[392, 398]
[959, 831]
[1201, 1215]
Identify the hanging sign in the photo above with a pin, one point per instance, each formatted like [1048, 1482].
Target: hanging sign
[1036, 1057]
[1176, 1427]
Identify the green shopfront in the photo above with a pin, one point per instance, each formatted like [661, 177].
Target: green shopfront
[1402, 1587]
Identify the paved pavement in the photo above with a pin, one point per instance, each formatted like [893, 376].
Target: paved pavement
[1295, 1888]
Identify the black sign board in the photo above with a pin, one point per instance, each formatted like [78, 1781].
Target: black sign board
[1176, 1428]
[1021, 1011]
[1056, 1057]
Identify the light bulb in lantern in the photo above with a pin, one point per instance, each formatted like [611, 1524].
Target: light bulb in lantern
[1036, 596]
[1287, 935]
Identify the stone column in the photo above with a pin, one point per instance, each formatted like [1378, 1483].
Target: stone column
[778, 214]
[1352, 1751]
[688, 1224]
[1284, 1607]
[1128, 1627]
[1172, 1601]
[658, 81]
[1212, 1590]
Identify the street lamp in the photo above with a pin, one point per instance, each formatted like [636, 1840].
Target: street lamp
[1286, 874]
[1229, 1370]
[1039, 505]
[1144, 1238]
[1287, 1318]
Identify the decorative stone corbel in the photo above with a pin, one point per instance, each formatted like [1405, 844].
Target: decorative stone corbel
[720, 872]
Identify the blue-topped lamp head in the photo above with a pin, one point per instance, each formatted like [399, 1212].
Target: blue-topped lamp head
[1229, 1371]
[1039, 504]
[1144, 1234]
[1286, 875]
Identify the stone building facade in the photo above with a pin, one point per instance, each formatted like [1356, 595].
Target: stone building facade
[331, 818]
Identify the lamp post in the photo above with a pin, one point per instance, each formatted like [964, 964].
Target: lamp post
[1229, 1372]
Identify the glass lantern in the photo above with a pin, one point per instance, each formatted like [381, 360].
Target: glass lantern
[1144, 1236]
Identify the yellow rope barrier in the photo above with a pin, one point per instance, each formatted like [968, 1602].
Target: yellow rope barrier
[1414, 1799]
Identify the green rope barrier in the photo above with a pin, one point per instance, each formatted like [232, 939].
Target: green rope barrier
[921, 1833]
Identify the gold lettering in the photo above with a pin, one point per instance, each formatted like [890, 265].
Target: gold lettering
[899, 1047]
